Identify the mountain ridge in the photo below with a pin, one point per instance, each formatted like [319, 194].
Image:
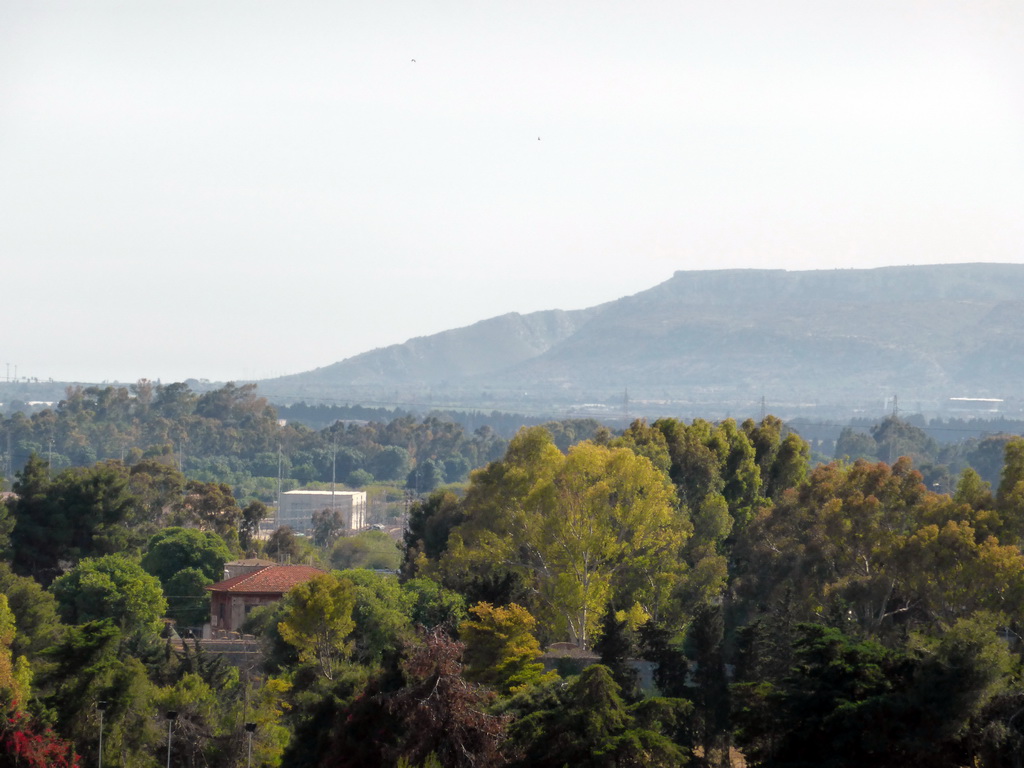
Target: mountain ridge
[817, 334]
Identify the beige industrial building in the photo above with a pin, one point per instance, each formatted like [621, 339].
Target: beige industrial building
[298, 507]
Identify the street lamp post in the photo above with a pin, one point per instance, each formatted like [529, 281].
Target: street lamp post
[171, 717]
[250, 727]
[101, 707]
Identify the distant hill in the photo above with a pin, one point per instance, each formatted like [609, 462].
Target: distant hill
[930, 332]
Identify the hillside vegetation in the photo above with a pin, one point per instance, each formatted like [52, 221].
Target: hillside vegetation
[703, 588]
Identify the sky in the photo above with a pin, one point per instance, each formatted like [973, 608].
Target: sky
[238, 190]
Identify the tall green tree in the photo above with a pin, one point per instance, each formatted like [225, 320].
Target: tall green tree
[92, 663]
[430, 523]
[80, 513]
[317, 620]
[111, 587]
[212, 507]
[578, 528]
[852, 703]
[501, 648]
[1010, 496]
[35, 614]
[382, 613]
[710, 694]
[254, 513]
[434, 605]
[589, 725]
[175, 549]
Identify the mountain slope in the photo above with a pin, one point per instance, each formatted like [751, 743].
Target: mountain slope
[934, 331]
[447, 357]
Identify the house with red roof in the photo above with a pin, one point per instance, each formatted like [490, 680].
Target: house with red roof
[231, 600]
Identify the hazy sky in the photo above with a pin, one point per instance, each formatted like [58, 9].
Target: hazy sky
[231, 190]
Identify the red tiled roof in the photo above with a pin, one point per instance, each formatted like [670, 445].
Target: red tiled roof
[271, 580]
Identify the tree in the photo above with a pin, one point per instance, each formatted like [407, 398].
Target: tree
[80, 513]
[790, 466]
[317, 621]
[367, 549]
[425, 476]
[434, 605]
[212, 507]
[254, 513]
[189, 602]
[501, 649]
[853, 703]
[589, 725]
[951, 575]
[158, 488]
[283, 545]
[435, 717]
[430, 524]
[710, 693]
[198, 726]
[704, 554]
[14, 674]
[617, 645]
[6, 526]
[35, 613]
[696, 458]
[972, 490]
[834, 543]
[647, 441]
[111, 587]
[1010, 495]
[382, 614]
[328, 525]
[390, 463]
[896, 437]
[578, 529]
[174, 549]
[25, 745]
[853, 445]
[92, 663]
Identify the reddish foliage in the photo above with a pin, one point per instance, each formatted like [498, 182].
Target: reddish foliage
[432, 710]
[23, 746]
[442, 713]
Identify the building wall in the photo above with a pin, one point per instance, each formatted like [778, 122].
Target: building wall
[298, 507]
[228, 612]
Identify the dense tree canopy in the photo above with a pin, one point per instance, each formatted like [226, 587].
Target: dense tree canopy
[578, 528]
[737, 597]
[110, 587]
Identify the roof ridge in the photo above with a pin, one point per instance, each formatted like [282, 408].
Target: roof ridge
[258, 581]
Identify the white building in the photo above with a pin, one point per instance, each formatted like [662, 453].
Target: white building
[298, 507]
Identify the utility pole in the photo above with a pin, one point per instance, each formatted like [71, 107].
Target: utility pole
[250, 727]
[171, 717]
[101, 706]
[334, 470]
[892, 440]
[277, 512]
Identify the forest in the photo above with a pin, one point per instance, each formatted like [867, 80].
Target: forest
[675, 593]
